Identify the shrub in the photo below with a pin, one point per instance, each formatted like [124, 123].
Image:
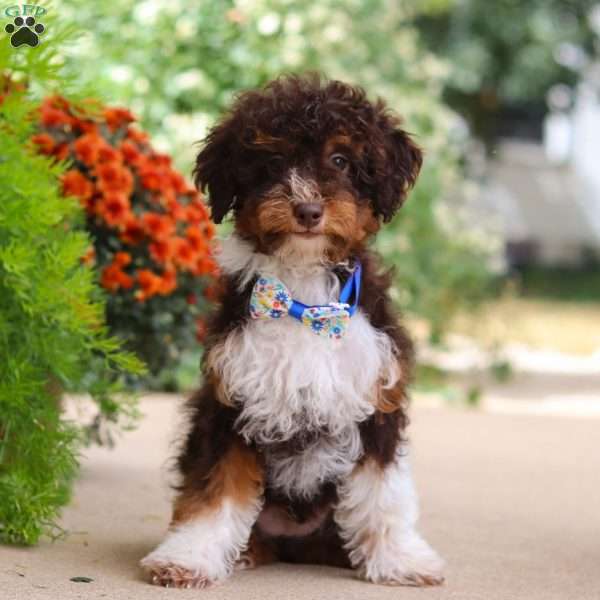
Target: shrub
[150, 228]
[52, 333]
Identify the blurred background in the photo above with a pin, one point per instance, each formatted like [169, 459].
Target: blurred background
[497, 252]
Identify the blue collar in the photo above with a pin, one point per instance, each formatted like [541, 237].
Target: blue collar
[350, 290]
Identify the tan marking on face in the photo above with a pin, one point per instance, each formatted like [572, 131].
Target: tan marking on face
[264, 139]
[237, 476]
[340, 142]
[275, 216]
[266, 220]
[348, 224]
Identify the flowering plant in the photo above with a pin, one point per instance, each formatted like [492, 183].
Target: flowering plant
[151, 229]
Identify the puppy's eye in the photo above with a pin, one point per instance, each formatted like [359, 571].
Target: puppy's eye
[340, 162]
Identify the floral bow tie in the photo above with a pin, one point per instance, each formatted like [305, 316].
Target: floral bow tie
[271, 299]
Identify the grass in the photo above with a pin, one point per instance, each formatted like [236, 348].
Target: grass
[570, 327]
[567, 285]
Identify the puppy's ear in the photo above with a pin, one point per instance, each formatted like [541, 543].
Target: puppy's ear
[397, 166]
[214, 170]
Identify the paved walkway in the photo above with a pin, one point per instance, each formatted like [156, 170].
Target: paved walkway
[511, 501]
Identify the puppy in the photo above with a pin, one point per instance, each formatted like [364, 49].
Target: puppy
[296, 450]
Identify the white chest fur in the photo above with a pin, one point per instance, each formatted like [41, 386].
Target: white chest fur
[288, 380]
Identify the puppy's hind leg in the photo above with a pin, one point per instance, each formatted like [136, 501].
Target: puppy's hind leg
[259, 552]
[212, 521]
[377, 514]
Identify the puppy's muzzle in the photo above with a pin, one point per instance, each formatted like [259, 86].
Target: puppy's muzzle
[308, 214]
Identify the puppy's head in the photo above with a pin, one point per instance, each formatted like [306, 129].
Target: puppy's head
[309, 168]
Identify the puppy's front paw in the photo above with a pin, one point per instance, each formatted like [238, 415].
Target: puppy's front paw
[169, 575]
[414, 563]
[188, 558]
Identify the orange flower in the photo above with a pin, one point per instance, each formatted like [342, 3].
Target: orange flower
[130, 152]
[44, 142]
[168, 282]
[50, 116]
[162, 250]
[61, 151]
[76, 184]
[136, 135]
[87, 148]
[205, 266]
[113, 278]
[115, 209]
[113, 176]
[209, 229]
[151, 178]
[159, 160]
[196, 211]
[57, 101]
[185, 254]
[133, 232]
[196, 240]
[158, 226]
[86, 126]
[122, 259]
[166, 197]
[140, 204]
[176, 209]
[150, 284]
[117, 117]
[178, 182]
[108, 154]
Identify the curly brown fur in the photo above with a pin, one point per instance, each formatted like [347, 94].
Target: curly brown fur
[310, 170]
[295, 120]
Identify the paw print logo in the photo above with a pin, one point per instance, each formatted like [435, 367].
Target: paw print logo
[24, 31]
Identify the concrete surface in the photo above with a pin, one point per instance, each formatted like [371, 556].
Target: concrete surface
[511, 501]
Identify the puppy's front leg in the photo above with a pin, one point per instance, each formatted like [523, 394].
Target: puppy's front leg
[211, 524]
[377, 514]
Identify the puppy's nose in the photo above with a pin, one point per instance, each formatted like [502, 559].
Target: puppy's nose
[308, 214]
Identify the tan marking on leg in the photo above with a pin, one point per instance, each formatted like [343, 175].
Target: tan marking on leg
[237, 476]
[212, 520]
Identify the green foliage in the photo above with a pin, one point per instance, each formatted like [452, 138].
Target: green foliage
[559, 283]
[504, 53]
[179, 64]
[150, 228]
[437, 271]
[52, 337]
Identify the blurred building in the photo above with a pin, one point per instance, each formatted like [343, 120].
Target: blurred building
[543, 188]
